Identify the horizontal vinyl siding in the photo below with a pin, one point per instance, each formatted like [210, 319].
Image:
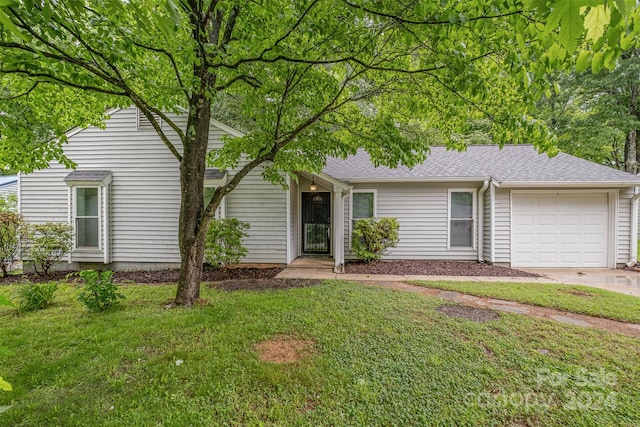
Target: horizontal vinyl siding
[624, 225]
[421, 210]
[502, 232]
[145, 192]
[263, 206]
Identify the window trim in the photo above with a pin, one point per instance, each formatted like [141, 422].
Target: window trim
[351, 210]
[474, 218]
[100, 218]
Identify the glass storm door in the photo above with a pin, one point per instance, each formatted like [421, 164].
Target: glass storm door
[316, 223]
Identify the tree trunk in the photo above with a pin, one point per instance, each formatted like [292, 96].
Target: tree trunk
[630, 153]
[190, 236]
[631, 143]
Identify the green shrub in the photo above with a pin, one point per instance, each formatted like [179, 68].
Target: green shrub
[11, 225]
[9, 202]
[99, 292]
[35, 296]
[224, 242]
[49, 243]
[371, 237]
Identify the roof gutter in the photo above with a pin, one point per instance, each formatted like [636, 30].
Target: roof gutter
[423, 179]
[633, 238]
[481, 219]
[569, 184]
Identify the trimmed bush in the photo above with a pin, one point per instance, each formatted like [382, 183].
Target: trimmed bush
[11, 226]
[223, 246]
[371, 237]
[35, 296]
[49, 243]
[99, 292]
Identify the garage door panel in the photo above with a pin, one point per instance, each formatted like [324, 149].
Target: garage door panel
[593, 238]
[560, 230]
[570, 219]
[547, 219]
[570, 238]
[547, 239]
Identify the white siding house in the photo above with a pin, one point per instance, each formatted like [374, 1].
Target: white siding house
[139, 228]
[509, 206]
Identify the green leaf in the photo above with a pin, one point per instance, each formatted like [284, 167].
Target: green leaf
[5, 385]
[583, 61]
[5, 408]
[6, 22]
[627, 42]
[596, 21]
[625, 6]
[597, 63]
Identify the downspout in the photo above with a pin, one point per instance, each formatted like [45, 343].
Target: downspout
[481, 219]
[633, 238]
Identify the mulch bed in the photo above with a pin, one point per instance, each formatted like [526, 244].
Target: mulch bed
[469, 313]
[434, 268]
[264, 284]
[155, 277]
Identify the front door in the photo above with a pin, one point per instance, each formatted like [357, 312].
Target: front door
[316, 223]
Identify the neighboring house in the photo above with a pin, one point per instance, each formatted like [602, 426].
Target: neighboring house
[510, 206]
[8, 184]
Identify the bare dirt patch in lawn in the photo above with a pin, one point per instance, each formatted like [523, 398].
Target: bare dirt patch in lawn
[434, 268]
[469, 313]
[264, 284]
[284, 349]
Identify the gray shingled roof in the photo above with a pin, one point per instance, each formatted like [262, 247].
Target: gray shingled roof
[87, 175]
[214, 174]
[512, 163]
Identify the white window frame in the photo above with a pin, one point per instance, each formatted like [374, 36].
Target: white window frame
[474, 217]
[351, 210]
[100, 218]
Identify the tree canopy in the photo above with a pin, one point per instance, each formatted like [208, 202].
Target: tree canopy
[309, 78]
[597, 115]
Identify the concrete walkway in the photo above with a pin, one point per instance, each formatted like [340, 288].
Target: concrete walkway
[516, 308]
[599, 278]
[622, 281]
[616, 280]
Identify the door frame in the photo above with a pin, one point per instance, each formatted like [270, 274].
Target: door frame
[612, 223]
[300, 228]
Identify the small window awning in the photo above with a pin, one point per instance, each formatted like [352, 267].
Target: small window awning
[88, 177]
[215, 177]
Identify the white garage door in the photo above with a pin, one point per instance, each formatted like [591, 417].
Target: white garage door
[560, 230]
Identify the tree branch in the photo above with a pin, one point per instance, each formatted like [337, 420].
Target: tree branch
[22, 94]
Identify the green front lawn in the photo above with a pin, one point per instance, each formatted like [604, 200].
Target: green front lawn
[381, 357]
[573, 298]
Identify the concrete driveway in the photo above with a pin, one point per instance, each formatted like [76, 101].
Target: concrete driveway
[623, 281]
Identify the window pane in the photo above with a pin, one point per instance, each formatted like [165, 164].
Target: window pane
[87, 232]
[362, 205]
[461, 233]
[462, 205]
[87, 202]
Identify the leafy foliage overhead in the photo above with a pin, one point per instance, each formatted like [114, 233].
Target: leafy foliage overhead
[309, 78]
